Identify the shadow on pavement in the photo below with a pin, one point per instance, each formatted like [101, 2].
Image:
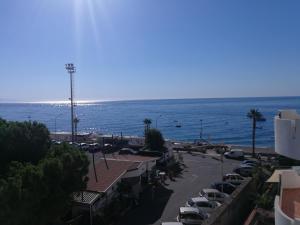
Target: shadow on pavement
[152, 204]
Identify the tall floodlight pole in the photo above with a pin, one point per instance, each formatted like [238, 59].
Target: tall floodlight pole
[201, 130]
[71, 70]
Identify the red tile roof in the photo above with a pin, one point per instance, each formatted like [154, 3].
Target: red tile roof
[106, 177]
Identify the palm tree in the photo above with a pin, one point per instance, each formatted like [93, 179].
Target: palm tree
[147, 123]
[256, 116]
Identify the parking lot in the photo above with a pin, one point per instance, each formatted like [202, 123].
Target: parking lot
[162, 205]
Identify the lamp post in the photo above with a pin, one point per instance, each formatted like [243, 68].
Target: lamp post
[71, 70]
[76, 121]
[157, 120]
[201, 129]
[55, 123]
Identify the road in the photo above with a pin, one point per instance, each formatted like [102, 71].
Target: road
[199, 172]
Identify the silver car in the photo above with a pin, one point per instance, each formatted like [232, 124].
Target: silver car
[203, 204]
[214, 195]
[191, 215]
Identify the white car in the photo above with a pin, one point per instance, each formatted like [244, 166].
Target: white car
[203, 204]
[171, 223]
[214, 195]
[234, 154]
[191, 215]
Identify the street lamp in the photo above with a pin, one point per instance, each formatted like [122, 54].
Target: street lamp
[71, 70]
[157, 120]
[76, 121]
[201, 130]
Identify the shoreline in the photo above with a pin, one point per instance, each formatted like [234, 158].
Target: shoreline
[137, 140]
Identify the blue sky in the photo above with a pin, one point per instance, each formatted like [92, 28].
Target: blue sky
[148, 49]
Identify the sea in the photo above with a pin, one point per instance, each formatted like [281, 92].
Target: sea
[218, 120]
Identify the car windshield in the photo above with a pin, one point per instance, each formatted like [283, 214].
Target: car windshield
[192, 216]
[204, 204]
[190, 202]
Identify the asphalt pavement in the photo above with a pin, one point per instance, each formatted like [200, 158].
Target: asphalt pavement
[162, 203]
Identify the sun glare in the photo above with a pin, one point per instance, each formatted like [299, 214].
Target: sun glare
[97, 16]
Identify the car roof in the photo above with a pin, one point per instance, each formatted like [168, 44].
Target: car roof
[245, 166]
[184, 210]
[232, 174]
[221, 182]
[237, 150]
[250, 160]
[199, 199]
[210, 190]
[171, 223]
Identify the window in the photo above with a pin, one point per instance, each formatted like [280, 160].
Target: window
[203, 204]
[210, 195]
[191, 203]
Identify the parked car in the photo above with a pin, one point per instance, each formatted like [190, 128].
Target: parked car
[244, 170]
[127, 151]
[225, 187]
[203, 204]
[191, 215]
[250, 163]
[235, 154]
[233, 178]
[84, 146]
[214, 195]
[56, 142]
[171, 223]
[94, 147]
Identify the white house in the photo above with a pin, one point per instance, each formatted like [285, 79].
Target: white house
[287, 143]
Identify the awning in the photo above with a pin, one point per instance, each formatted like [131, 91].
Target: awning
[275, 176]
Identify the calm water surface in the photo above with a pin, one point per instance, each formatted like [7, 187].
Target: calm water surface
[223, 120]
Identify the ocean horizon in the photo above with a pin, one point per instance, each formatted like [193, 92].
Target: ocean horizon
[222, 120]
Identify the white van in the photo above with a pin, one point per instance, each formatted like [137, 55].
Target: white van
[235, 154]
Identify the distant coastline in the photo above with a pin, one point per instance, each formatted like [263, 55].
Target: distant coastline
[84, 101]
[224, 120]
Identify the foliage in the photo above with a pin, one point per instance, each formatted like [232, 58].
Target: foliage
[265, 201]
[154, 140]
[255, 116]
[40, 194]
[23, 142]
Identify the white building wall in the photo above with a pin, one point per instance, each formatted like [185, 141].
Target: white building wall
[280, 217]
[289, 179]
[287, 134]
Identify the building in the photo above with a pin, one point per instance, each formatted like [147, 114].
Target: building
[104, 185]
[287, 143]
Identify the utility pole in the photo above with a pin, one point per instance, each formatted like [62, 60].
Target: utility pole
[76, 121]
[71, 70]
[201, 130]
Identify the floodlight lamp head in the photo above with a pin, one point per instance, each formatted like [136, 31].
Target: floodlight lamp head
[70, 68]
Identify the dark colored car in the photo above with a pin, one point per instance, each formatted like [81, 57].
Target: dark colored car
[233, 178]
[225, 187]
[244, 170]
[127, 151]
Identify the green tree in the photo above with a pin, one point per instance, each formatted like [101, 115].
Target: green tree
[147, 123]
[41, 194]
[154, 140]
[23, 142]
[255, 116]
